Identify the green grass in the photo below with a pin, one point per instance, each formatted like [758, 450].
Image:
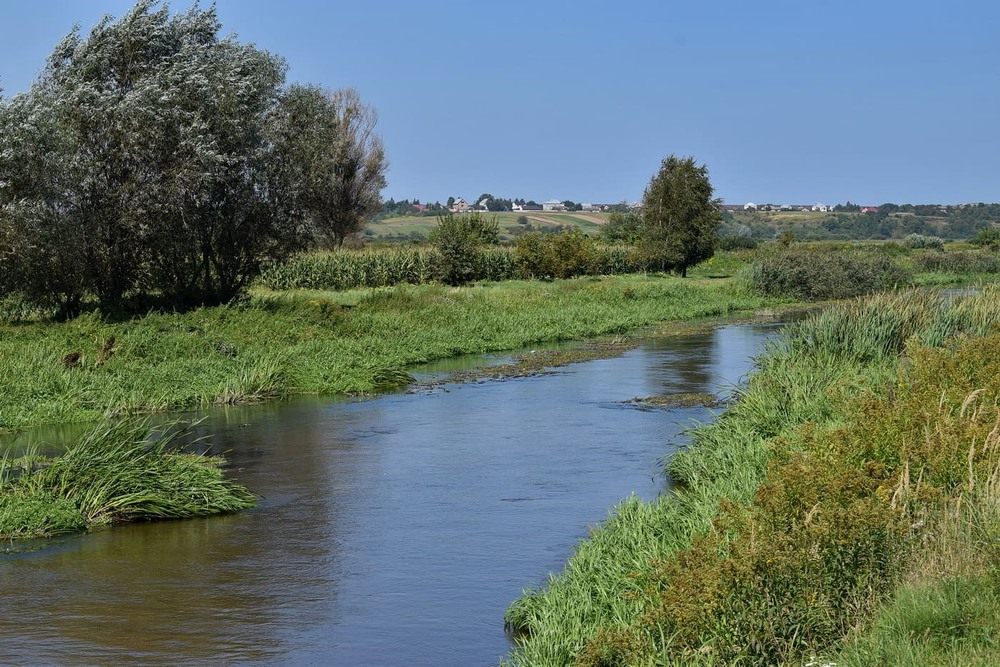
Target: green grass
[951, 623]
[642, 589]
[283, 343]
[121, 471]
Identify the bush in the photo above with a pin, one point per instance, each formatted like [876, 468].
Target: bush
[961, 262]
[563, 255]
[915, 241]
[804, 273]
[459, 239]
[737, 243]
[622, 228]
[988, 237]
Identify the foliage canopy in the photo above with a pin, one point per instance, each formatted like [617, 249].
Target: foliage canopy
[460, 239]
[154, 156]
[680, 219]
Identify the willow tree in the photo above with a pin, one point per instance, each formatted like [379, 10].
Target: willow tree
[680, 219]
[140, 160]
[333, 157]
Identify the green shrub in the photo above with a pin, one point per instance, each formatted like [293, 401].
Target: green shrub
[805, 273]
[919, 241]
[459, 239]
[963, 262]
[564, 255]
[622, 228]
[988, 237]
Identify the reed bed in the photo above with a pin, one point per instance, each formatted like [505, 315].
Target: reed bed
[121, 471]
[818, 273]
[713, 572]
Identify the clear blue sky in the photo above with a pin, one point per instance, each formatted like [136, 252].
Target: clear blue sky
[802, 101]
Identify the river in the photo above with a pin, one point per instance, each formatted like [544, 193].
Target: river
[391, 531]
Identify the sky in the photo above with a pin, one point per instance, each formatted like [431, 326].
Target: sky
[805, 101]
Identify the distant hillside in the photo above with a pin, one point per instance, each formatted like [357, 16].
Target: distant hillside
[416, 228]
[888, 222]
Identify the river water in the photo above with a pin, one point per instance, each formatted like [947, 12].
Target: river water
[392, 531]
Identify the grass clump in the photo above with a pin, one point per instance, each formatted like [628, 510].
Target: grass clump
[121, 471]
[806, 507]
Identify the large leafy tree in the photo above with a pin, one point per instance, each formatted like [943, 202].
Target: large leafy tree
[144, 158]
[680, 219]
[333, 157]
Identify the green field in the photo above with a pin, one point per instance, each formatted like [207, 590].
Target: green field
[406, 227]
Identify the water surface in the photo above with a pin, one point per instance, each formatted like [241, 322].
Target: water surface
[392, 531]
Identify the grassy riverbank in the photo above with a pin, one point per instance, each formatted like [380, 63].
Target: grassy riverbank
[855, 479]
[123, 471]
[284, 343]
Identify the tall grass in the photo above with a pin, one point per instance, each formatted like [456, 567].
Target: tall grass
[286, 343]
[719, 570]
[816, 274]
[121, 471]
[964, 262]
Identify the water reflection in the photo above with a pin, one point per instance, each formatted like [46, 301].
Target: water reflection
[391, 531]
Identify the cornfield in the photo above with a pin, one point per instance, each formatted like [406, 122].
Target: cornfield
[382, 267]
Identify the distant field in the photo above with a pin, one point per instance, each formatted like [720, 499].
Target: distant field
[406, 226]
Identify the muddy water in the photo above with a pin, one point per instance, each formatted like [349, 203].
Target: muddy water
[392, 531]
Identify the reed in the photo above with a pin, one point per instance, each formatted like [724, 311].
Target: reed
[962, 262]
[817, 274]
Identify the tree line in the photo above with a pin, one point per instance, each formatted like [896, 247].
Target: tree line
[153, 156]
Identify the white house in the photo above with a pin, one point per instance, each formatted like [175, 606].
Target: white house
[822, 208]
[750, 206]
[553, 205]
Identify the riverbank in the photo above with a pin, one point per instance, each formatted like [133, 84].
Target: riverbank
[820, 500]
[279, 344]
